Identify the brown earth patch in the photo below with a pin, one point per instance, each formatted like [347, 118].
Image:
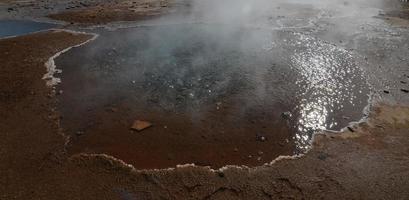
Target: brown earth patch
[28, 126]
[114, 11]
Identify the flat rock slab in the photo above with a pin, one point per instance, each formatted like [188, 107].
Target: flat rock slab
[140, 125]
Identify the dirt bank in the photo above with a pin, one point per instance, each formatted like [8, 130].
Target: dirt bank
[113, 11]
[29, 127]
[372, 162]
[89, 12]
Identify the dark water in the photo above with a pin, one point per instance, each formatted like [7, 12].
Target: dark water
[18, 27]
[231, 83]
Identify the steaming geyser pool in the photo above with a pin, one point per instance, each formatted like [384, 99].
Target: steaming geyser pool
[216, 95]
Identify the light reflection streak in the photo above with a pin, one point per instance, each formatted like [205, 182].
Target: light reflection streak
[326, 82]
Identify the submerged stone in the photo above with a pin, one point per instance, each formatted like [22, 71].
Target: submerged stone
[140, 125]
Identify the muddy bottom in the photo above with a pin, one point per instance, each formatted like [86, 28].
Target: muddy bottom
[19, 27]
[215, 94]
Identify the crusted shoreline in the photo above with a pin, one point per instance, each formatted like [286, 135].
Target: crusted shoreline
[316, 174]
[368, 160]
[50, 64]
[317, 170]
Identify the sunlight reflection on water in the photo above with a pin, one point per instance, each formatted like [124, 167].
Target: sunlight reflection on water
[328, 77]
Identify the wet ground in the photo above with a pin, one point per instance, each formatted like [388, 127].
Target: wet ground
[239, 87]
[364, 43]
[216, 93]
[19, 27]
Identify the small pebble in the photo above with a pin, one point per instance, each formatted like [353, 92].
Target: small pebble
[260, 138]
[322, 156]
[286, 115]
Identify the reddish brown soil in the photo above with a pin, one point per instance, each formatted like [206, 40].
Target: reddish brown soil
[113, 11]
[29, 132]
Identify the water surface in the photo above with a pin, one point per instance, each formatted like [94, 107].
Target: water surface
[216, 94]
[20, 27]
